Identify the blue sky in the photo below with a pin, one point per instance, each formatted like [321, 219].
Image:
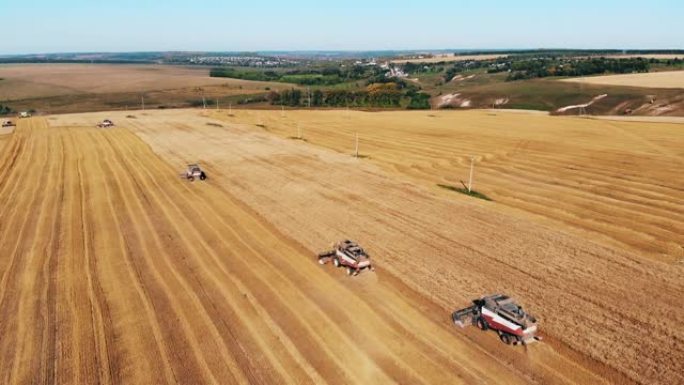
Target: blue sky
[36, 26]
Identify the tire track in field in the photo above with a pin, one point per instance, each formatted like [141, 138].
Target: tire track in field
[147, 194]
[97, 335]
[24, 278]
[16, 252]
[255, 255]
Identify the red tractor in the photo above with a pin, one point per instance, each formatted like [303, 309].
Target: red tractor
[501, 314]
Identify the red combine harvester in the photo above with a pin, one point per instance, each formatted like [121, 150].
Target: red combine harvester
[348, 254]
[500, 313]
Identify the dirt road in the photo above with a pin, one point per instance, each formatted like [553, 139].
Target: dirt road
[113, 270]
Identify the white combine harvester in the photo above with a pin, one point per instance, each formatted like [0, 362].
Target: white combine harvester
[105, 123]
[347, 254]
[8, 123]
[194, 171]
[501, 314]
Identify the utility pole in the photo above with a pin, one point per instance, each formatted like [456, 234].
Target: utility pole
[282, 111]
[299, 131]
[217, 104]
[470, 179]
[357, 145]
[204, 102]
[142, 101]
[309, 92]
[230, 108]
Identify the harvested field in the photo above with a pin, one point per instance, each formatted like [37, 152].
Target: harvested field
[448, 58]
[116, 271]
[667, 79]
[23, 81]
[445, 246]
[131, 275]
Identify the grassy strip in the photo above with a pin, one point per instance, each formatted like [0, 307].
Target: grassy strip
[465, 191]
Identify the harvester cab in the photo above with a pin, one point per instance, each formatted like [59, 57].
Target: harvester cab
[347, 254]
[501, 314]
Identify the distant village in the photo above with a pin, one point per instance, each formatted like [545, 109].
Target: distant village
[243, 61]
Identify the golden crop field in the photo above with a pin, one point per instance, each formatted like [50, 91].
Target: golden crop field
[448, 58]
[113, 269]
[22, 81]
[667, 79]
[659, 56]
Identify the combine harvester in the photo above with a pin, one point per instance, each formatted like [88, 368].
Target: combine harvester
[347, 254]
[194, 171]
[500, 313]
[105, 123]
[8, 123]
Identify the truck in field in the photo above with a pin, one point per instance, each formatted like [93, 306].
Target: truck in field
[347, 254]
[502, 314]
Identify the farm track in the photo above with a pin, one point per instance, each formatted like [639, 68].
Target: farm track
[609, 299]
[116, 271]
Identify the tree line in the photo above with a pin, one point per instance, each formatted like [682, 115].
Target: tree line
[375, 95]
[325, 76]
[5, 110]
[544, 67]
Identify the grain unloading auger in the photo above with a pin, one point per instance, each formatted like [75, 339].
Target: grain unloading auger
[501, 314]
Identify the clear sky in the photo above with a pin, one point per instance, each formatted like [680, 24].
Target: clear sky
[41, 26]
